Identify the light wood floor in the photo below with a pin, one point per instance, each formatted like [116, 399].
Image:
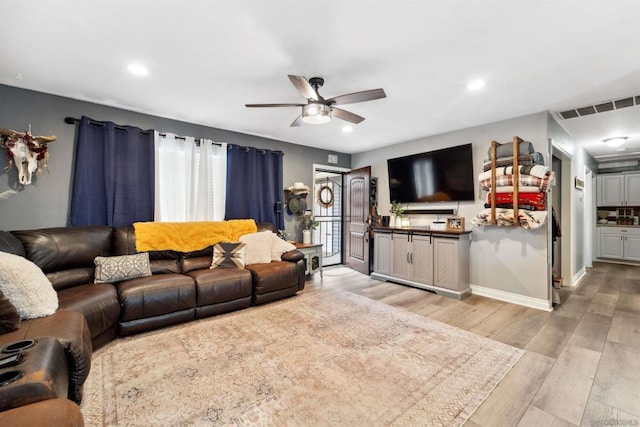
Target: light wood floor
[582, 361]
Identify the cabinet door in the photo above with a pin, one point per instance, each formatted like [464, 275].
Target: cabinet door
[422, 259]
[611, 246]
[610, 190]
[632, 189]
[400, 266]
[632, 247]
[382, 252]
[445, 261]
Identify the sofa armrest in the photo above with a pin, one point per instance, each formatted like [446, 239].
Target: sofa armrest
[292, 256]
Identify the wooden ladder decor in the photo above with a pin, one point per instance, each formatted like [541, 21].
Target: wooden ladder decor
[516, 180]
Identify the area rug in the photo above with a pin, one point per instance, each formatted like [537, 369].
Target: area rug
[324, 358]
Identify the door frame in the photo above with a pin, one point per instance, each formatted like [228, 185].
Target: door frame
[567, 248]
[327, 168]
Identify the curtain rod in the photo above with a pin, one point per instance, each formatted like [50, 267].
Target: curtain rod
[260, 150]
[197, 140]
[73, 120]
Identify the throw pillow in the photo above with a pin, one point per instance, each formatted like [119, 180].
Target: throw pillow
[9, 316]
[122, 267]
[26, 286]
[228, 255]
[258, 247]
[278, 247]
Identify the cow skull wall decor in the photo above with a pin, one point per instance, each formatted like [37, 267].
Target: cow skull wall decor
[27, 152]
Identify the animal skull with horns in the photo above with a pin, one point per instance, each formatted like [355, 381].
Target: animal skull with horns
[27, 152]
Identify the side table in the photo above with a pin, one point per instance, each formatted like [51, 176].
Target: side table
[312, 257]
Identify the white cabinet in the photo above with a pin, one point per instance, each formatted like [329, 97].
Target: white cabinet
[382, 253]
[436, 261]
[618, 190]
[412, 257]
[451, 258]
[620, 243]
[632, 190]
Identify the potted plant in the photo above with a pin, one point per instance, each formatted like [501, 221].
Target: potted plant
[308, 223]
[396, 212]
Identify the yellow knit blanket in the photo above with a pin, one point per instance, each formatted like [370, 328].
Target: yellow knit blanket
[189, 236]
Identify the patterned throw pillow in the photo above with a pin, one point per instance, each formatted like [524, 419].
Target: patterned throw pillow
[228, 255]
[123, 267]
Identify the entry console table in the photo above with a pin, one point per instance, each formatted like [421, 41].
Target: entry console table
[312, 257]
[428, 259]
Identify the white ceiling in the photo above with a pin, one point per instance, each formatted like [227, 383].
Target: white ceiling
[208, 58]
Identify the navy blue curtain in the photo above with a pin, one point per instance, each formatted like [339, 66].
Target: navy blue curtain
[254, 184]
[113, 182]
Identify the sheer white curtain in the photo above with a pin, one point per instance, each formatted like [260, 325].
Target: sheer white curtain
[190, 179]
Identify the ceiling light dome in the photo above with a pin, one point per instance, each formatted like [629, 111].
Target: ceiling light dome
[615, 142]
[316, 113]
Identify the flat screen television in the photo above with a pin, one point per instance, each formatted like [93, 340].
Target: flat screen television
[444, 175]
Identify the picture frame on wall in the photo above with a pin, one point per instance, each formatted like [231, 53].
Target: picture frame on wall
[455, 223]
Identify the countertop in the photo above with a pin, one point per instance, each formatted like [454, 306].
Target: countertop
[618, 225]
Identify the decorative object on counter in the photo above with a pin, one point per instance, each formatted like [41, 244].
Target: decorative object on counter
[603, 217]
[26, 152]
[455, 223]
[625, 216]
[308, 223]
[396, 212]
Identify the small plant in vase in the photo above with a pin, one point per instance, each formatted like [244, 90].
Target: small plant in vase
[396, 212]
[308, 223]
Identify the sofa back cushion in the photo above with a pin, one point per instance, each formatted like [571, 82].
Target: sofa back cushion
[124, 243]
[66, 254]
[11, 244]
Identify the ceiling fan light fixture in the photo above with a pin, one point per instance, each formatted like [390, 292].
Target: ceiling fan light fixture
[316, 114]
[615, 142]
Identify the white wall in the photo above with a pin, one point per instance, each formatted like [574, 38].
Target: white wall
[505, 259]
[572, 233]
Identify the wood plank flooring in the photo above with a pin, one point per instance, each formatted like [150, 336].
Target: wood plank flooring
[582, 366]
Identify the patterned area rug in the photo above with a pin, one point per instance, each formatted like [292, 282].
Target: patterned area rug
[321, 358]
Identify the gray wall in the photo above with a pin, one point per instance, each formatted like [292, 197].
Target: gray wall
[45, 203]
[503, 259]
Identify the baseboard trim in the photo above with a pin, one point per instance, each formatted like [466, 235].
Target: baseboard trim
[577, 278]
[536, 303]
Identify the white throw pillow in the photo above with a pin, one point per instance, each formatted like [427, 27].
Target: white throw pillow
[278, 247]
[26, 286]
[258, 250]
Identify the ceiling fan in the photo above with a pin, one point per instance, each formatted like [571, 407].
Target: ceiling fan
[318, 110]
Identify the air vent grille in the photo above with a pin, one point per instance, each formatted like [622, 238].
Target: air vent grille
[601, 108]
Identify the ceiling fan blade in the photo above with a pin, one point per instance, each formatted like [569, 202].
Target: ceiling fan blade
[273, 105]
[346, 115]
[352, 98]
[297, 122]
[303, 86]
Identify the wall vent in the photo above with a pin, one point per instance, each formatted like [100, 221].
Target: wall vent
[600, 108]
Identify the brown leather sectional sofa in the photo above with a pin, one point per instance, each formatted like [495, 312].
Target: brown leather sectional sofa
[181, 288]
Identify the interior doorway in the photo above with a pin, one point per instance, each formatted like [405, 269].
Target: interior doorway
[328, 211]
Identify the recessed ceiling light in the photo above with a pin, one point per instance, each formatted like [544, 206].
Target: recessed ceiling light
[615, 142]
[347, 129]
[138, 69]
[475, 85]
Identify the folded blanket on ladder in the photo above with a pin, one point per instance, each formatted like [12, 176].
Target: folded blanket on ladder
[504, 217]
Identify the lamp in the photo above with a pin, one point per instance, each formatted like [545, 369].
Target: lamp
[615, 142]
[316, 113]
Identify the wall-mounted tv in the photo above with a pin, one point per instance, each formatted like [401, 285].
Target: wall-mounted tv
[444, 175]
